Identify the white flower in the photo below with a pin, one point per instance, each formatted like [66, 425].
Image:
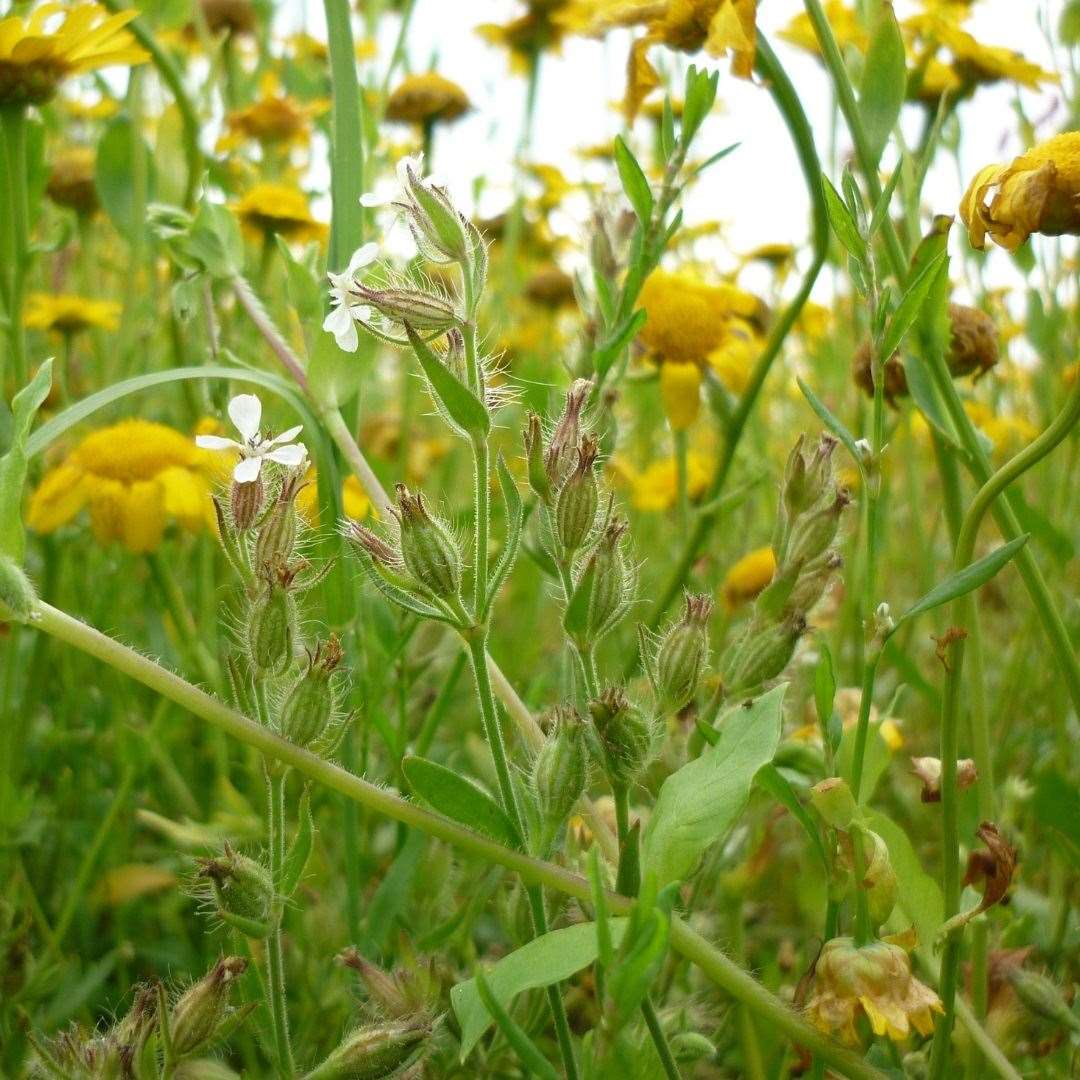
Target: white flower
[245, 411]
[344, 313]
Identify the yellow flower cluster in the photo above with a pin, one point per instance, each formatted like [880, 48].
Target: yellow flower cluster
[278, 209]
[66, 314]
[428, 98]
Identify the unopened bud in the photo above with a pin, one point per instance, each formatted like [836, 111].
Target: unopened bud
[561, 455]
[765, 652]
[311, 705]
[813, 581]
[246, 503]
[130, 1033]
[425, 312]
[613, 582]
[534, 456]
[272, 627]
[692, 1046]
[578, 500]
[833, 800]
[373, 545]
[428, 549]
[276, 538]
[372, 1052]
[204, 1069]
[204, 1006]
[17, 596]
[559, 774]
[626, 736]
[813, 531]
[682, 653]
[239, 887]
[796, 493]
[437, 227]
[1043, 997]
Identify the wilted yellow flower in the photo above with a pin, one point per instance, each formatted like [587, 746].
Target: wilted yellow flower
[428, 98]
[63, 313]
[874, 980]
[526, 37]
[680, 391]
[39, 51]
[280, 209]
[134, 476]
[749, 576]
[71, 179]
[355, 502]
[231, 16]
[656, 488]
[1038, 193]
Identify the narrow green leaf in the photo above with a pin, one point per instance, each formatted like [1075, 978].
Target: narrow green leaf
[667, 130]
[842, 222]
[598, 885]
[699, 803]
[640, 958]
[527, 1051]
[881, 207]
[392, 895]
[967, 580]
[772, 780]
[609, 352]
[718, 156]
[459, 798]
[884, 82]
[545, 960]
[296, 858]
[824, 686]
[911, 305]
[832, 422]
[463, 407]
[115, 175]
[24, 407]
[634, 181]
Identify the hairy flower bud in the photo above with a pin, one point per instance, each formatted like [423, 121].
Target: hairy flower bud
[534, 456]
[240, 888]
[428, 549]
[559, 774]
[372, 1052]
[578, 500]
[439, 230]
[613, 582]
[813, 531]
[276, 538]
[17, 594]
[562, 451]
[272, 626]
[425, 312]
[373, 545]
[246, 502]
[764, 652]
[682, 653]
[627, 738]
[310, 706]
[1043, 997]
[204, 1006]
[813, 581]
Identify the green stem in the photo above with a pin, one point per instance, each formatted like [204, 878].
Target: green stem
[13, 123]
[720, 969]
[275, 960]
[682, 496]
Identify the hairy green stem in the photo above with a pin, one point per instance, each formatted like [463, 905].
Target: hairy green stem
[13, 126]
[275, 960]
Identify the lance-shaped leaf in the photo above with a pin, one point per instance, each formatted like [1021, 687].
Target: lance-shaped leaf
[296, 859]
[832, 422]
[911, 305]
[884, 82]
[462, 406]
[634, 181]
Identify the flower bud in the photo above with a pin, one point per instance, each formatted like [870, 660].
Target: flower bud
[238, 886]
[272, 626]
[311, 705]
[796, 494]
[17, 594]
[534, 456]
[626, 737]
[682, 653]
[562, 451]
[833, 800]
[204, 1069]
[813, 581]
[246, 503]
[578, 500]
[1043, 997]
[437, 227]
[129, 1034]
[372, 1052]
[412, 988]
[613, 582]
[204, 1006]
[373, 545]
[691, 1046]
[425, 312]
[813, 531]
[276, 538]
[428, 549]
[764, 652]
[559, 774]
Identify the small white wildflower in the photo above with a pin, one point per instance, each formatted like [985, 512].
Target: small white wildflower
[345, 313]
[245, 411]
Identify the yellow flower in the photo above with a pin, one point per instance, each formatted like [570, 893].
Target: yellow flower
[1038, 193]
[846, 26]
[847, 707]
[39, 51]
[355, 502]
[134, 476]
[749, 576]
[305, 48]
[427, 99]
[273, 120]
[1009, 434]
[66, 314]
[734, 358]
[680, 391]
[814, 321]
[656, 488]
[874, 980]
[71, 179]
[526, 37]
[281, 209]
[102, 109]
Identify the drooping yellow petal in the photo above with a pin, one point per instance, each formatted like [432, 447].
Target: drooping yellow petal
[734, 28]
[143, 516]
[186, 496]
[58, 498]
[680, 390]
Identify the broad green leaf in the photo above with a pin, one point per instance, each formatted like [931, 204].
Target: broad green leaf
[462, 406]
[967, 580]
[700, 802]
[545, 960]
[459, 798]
[842, 222]
[527, 1051]
[215, 241]
[115, 176]
[334, 376]
[634, 181]
[911, 305]
[832, 422]
[884, 82]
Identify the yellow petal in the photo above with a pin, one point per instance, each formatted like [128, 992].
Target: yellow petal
[58, 498]
[186, 496]
[143, 516]
[680, 390]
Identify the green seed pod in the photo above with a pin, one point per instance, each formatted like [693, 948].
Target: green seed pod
[204, 1006]
[559, 774]
[373, 1052]
[764, 653]
[239, 886]
[17, 594]
[833, 800]
[428, 549]
[813, 581]
[276, 538]
[578, 500]
[246, 503]
[613, 582]
[682, 653]
[311, 704]
[437, 227]
[815, 530]
[691, 1046]
[561, 454]
[534, 455]
[627, 738]
[1043, 997]
[272, 629]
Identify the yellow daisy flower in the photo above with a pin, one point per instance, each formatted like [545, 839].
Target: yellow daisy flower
[278, 209]
[1039, 192]
[39, 51]
[274, 119]
[428, 98]
[844, 21]
[749, 576]
[66, 314]
[655, 489]
[134, 476]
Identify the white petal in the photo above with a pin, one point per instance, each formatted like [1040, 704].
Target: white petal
[245, 411]
[286, 436]
[362, 256]
[216, 442]
[247, 470]
[288, 455]
[361, 312]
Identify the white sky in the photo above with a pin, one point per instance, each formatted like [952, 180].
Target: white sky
[757, 190]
